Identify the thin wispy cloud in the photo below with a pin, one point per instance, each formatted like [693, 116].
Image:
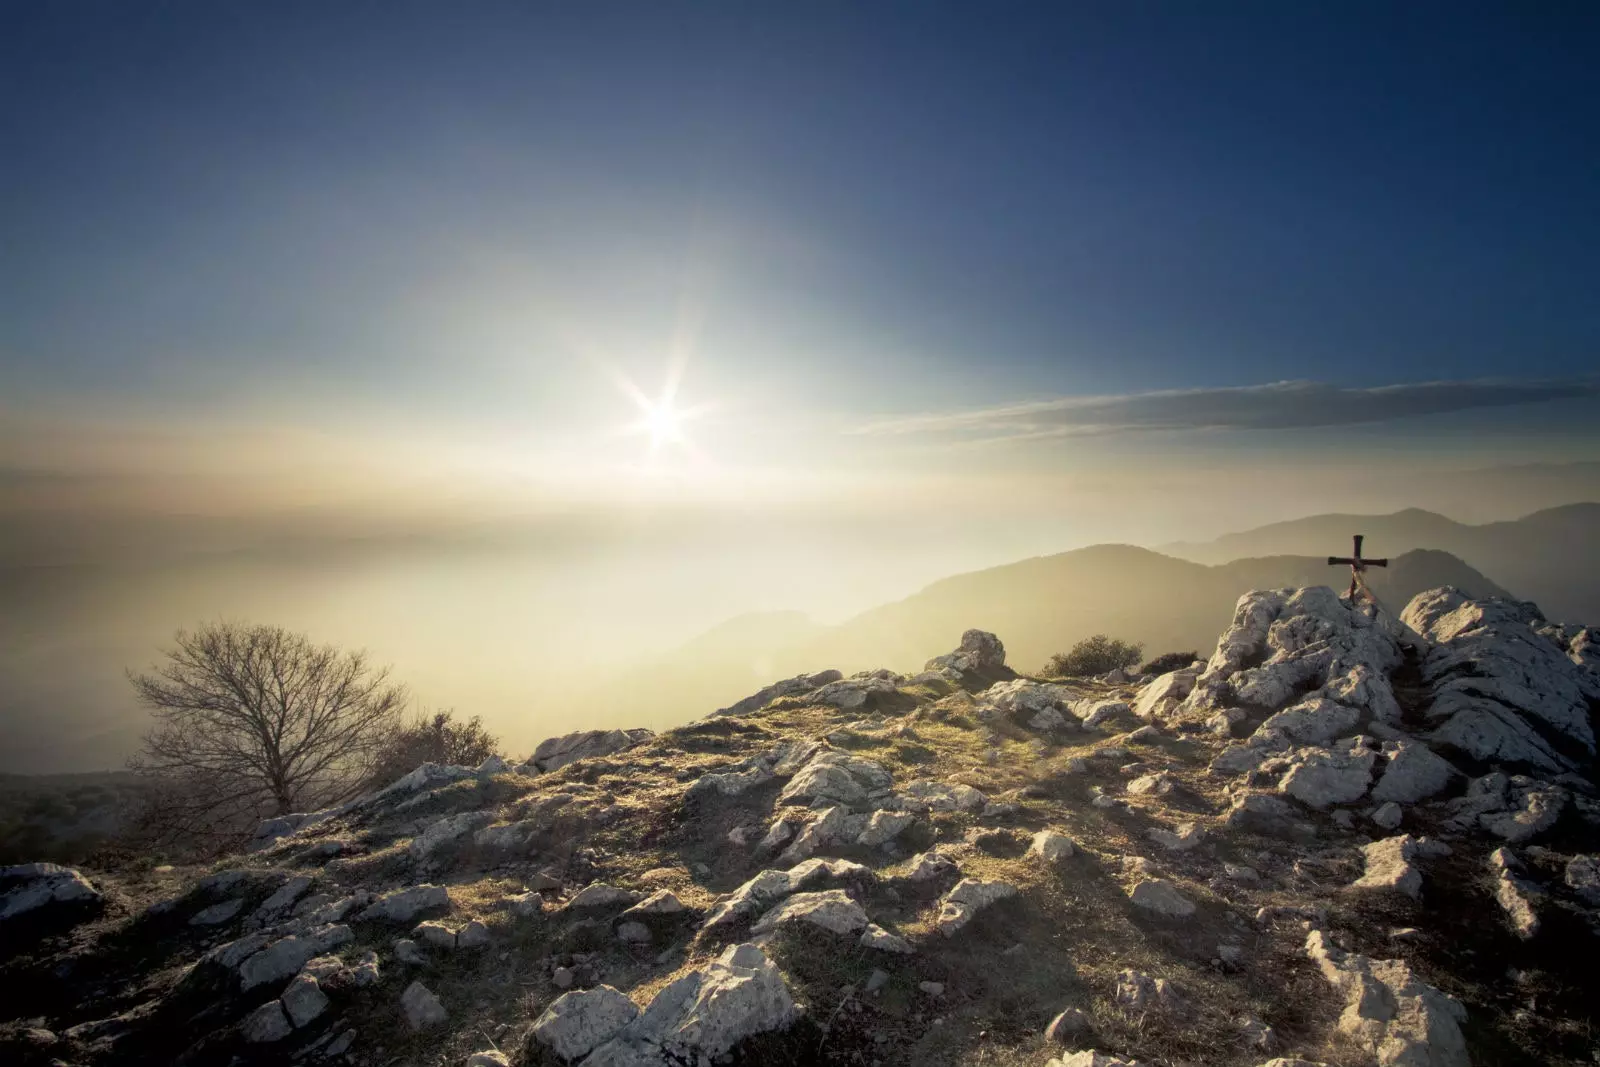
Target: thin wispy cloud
[1270, 406]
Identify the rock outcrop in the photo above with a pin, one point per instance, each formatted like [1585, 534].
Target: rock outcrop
[875, 868]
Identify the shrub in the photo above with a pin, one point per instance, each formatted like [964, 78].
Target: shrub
[1094, 655]
[435, 738]
[1172, 661]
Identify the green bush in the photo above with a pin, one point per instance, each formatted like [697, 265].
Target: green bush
[1172, 661]
[1094, 655]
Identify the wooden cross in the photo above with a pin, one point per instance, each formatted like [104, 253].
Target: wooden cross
[1357, 565]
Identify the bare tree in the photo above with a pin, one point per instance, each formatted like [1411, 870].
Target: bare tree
[255, 721]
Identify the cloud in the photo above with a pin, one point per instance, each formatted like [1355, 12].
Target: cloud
[1271, 406]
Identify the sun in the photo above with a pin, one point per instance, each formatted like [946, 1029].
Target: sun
[663, 422]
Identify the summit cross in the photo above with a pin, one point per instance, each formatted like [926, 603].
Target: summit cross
[1357, 565]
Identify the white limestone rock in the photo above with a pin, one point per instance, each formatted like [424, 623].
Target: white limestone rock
[837, 777]
[1097, 713]
[661, 902]
[434, 934]
[1388, 815]
[404, 905]
[507, 837]
[1160, 698]
[285, 956]
[1139, 992]
[421, 1008]
[1160, 896]
[600, 895]
[1582, 876]
[1092, 1058]
[1413, 772]
[968, 897]
[929, 796]
[266, 1024]
[979, 652]
[929, 867]
[876, 937]
[45, 891]
[1320, 777]
[581, 1021]
[885, 826]
[303, 1000]
[1050, 846]
[761, 893]
[731, 783]
[795, 686]
[703, 1015]
[216, 914]
[1187, 836]
[1515, 894]
[1493, 672]
[830, 909]
[556, 752]
[1389, 867]
[474, 935]
[1401, 1020]
[283, 898]
[447, 830]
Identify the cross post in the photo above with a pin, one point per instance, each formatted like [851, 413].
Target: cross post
[1357, 566]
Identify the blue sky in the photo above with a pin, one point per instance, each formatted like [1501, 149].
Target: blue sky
[447, 221]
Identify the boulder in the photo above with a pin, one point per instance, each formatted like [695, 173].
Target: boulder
[45, 893]
[444, 831]
[303, 1000]
[404, 905]
[1389, 1012]
[216, 914]
[1097, 713]
[1389, 867]
[761, 893]
[731, 783]
[1161, 897]
[1066, 1026]
[421, 1008]
[1388, 815]
[1092, 1058]
[601, 895]
[661, 902]
[795, 686]
[939, 796]
[836, 777]
[556, 752]
[1582, 876]
[1413, 772]
[1320, 777]
[1050, 846]
[1160, 698]
[287, 955]
[853, 692]
[1187, 836]
[1500, 689]
[266, 1024]
[703, 1015]
[979, 653]
[830, 909]
[968, 897]
[876, 937]
[581, 1021]
[883, 827]
[1514, 893]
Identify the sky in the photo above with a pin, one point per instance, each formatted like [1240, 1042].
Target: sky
[768, 306]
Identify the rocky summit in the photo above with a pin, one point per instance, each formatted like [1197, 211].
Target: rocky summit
[1344, 838]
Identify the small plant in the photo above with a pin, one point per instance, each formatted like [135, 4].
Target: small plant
[433, 738]
[1094, 655]
[1172, 661]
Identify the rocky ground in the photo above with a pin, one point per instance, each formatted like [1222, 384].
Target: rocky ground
[1342, 840]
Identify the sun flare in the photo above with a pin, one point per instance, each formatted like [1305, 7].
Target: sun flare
[663, 423]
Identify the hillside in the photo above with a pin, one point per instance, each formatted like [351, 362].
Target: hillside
[1543, 556]
[1326, 848]
[1043, 605]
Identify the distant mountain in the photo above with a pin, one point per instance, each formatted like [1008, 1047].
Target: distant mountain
[1547, 557]
[1037, 606]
